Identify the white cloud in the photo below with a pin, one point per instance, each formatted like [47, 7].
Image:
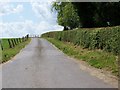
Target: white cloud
[18, 9]
[47, 20]
[19, 29]
[43, 10]
[25, 0]
[6, 8]
[16, 29]
[4, 0]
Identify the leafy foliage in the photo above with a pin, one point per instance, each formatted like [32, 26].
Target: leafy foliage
[88, 14]
[107, 39]
[67, 15]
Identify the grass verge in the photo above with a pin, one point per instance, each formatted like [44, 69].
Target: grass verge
[7, 54]
[96, 58]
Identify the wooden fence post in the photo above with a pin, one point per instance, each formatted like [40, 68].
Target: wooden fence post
[1, 44]
[17, 40]
[20, 40]
[10, 45]
[13, 44]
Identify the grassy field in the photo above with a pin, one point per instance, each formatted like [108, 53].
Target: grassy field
[8, 53]
[96, 58]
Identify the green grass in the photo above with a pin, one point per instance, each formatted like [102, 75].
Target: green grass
[96, 58]
[8, 53]
[5, 43]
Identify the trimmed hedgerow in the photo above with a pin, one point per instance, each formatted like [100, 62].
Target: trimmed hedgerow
[107, 39]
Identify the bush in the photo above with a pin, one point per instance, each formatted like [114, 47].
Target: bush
[107, 39]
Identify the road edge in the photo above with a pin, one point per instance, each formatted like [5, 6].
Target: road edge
[101, 74]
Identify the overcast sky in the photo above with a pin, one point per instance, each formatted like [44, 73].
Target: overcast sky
[20, 18]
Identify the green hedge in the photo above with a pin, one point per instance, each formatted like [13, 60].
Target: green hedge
[107, 39]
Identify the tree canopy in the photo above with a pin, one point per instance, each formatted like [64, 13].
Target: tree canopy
[67, 15]
[87, 14]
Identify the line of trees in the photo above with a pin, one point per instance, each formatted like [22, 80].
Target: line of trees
[87, 14]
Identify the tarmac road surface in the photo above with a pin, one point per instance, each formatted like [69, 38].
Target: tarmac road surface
[41, 65]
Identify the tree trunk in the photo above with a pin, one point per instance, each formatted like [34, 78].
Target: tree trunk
[65, 28]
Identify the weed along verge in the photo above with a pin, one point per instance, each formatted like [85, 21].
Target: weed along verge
[96, 58]
[99, 47]
[10, 47]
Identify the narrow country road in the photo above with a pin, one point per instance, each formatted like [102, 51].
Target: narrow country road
[41, 65]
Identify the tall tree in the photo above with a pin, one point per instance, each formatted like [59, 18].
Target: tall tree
[88, 14]
[67, 15]
[109, 12]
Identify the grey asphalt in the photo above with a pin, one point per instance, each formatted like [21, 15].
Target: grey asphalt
[41, 65]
